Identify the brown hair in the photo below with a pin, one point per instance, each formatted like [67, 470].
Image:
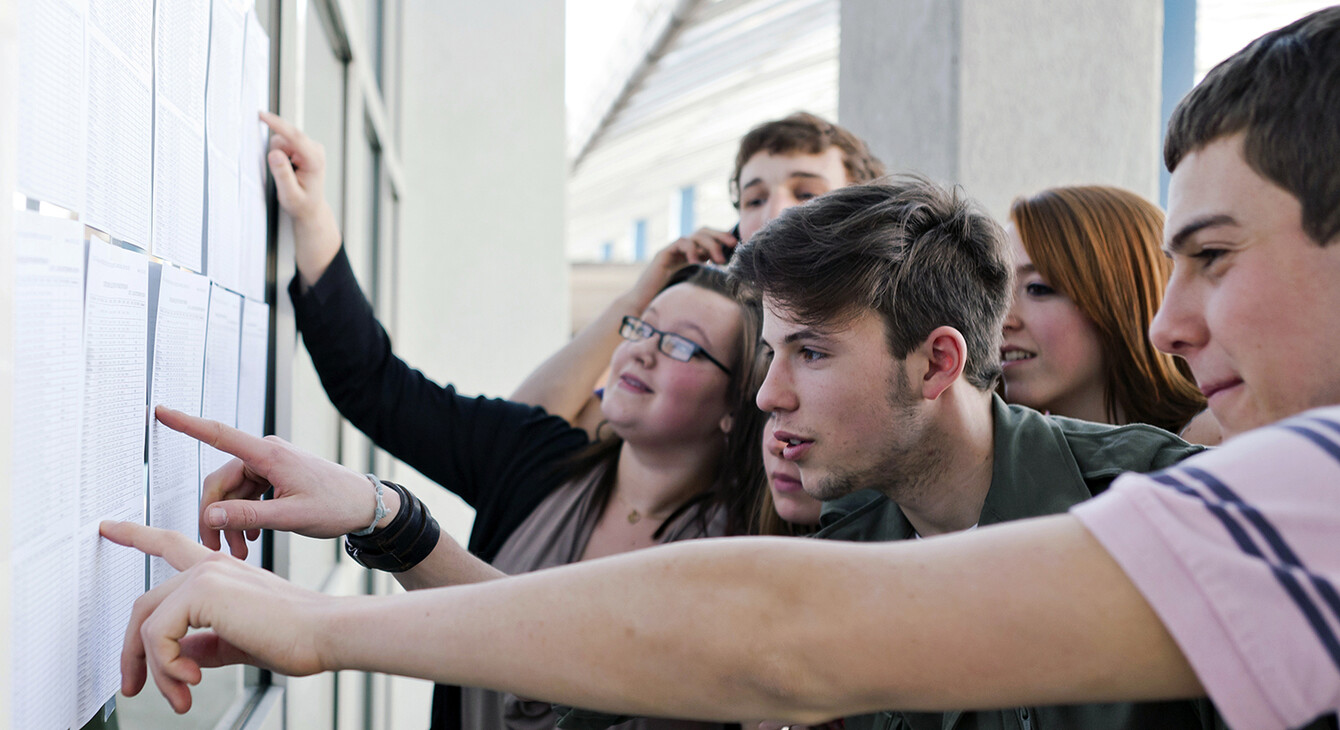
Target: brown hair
[734, 488]
[803, 133]
[1283, 92]
[920, 255]
[1101, 248]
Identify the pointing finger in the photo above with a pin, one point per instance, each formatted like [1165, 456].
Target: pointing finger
[180, 551]
[256, 452]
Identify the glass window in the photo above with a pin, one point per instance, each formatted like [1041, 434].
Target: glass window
[374, 25]
[640, 239]
[686, 219]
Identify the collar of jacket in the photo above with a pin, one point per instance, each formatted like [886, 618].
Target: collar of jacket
[1033, 472]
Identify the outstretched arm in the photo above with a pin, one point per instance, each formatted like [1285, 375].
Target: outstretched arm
[563, 383]
[720, 629]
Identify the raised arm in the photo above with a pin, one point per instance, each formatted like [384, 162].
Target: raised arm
[487, 451]
[723, 629]
[563, 384]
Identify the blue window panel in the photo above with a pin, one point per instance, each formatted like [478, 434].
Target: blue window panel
[686, 221]
[640, 239]
[1179, 69]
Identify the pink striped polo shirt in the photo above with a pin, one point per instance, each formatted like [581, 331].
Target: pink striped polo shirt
[1238, 552]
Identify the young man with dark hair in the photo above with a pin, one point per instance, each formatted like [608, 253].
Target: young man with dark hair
[882, 308]
[1216, 576]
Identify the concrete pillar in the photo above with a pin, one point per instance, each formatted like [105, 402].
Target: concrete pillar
[1007, 96]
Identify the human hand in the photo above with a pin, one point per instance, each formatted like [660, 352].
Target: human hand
[298, 164]
[312, 496]
[253, 616]
[704, 245]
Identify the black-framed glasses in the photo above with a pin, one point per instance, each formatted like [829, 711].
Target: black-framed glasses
[677, 347]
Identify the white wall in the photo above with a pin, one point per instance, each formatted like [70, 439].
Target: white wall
[8, 132]
[483, 289]
[482, 281]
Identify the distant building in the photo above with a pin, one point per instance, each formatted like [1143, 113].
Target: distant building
[667, 143]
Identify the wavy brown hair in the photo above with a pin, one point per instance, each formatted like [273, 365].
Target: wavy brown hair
[1101, 247]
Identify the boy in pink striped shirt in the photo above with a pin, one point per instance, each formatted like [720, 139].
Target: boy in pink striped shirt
[1236, 551]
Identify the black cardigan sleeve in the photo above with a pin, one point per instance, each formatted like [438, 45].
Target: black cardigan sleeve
[501, 457]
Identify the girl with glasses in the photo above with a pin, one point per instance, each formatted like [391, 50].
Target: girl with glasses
[545, 492]
[779, 164]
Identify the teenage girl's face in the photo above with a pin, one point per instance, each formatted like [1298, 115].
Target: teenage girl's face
[1051, 355]
[788, 498]
[769, 184]
[656, 401]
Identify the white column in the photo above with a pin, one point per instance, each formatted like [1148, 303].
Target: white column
[1007, 96]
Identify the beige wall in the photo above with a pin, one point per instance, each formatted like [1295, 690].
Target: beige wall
[1007, 96]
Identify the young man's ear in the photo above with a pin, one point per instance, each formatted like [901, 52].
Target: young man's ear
[945, 354]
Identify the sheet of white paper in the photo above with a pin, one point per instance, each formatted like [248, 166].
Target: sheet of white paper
[179, 368]
[111, 474]
[48, 373]
[252, 240]
[223, 121]
[51, 137]
[255, 96]
[48, 402]
[179, 189]
[181, 45]
[223, 252]
[253, 368]
[128, 26]
[223, 130]
[252, 168]
[223, 342]
[45, 612]
[119, 113]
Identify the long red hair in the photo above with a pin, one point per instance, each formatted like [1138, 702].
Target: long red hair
[1101, 247]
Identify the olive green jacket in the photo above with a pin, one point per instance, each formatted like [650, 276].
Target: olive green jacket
[1042, 465]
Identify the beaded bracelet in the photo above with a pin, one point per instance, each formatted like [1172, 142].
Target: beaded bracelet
[404, 543]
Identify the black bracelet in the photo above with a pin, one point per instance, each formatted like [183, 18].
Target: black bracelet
[404, 543]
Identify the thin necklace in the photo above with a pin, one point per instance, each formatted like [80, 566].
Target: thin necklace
[634, 516]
